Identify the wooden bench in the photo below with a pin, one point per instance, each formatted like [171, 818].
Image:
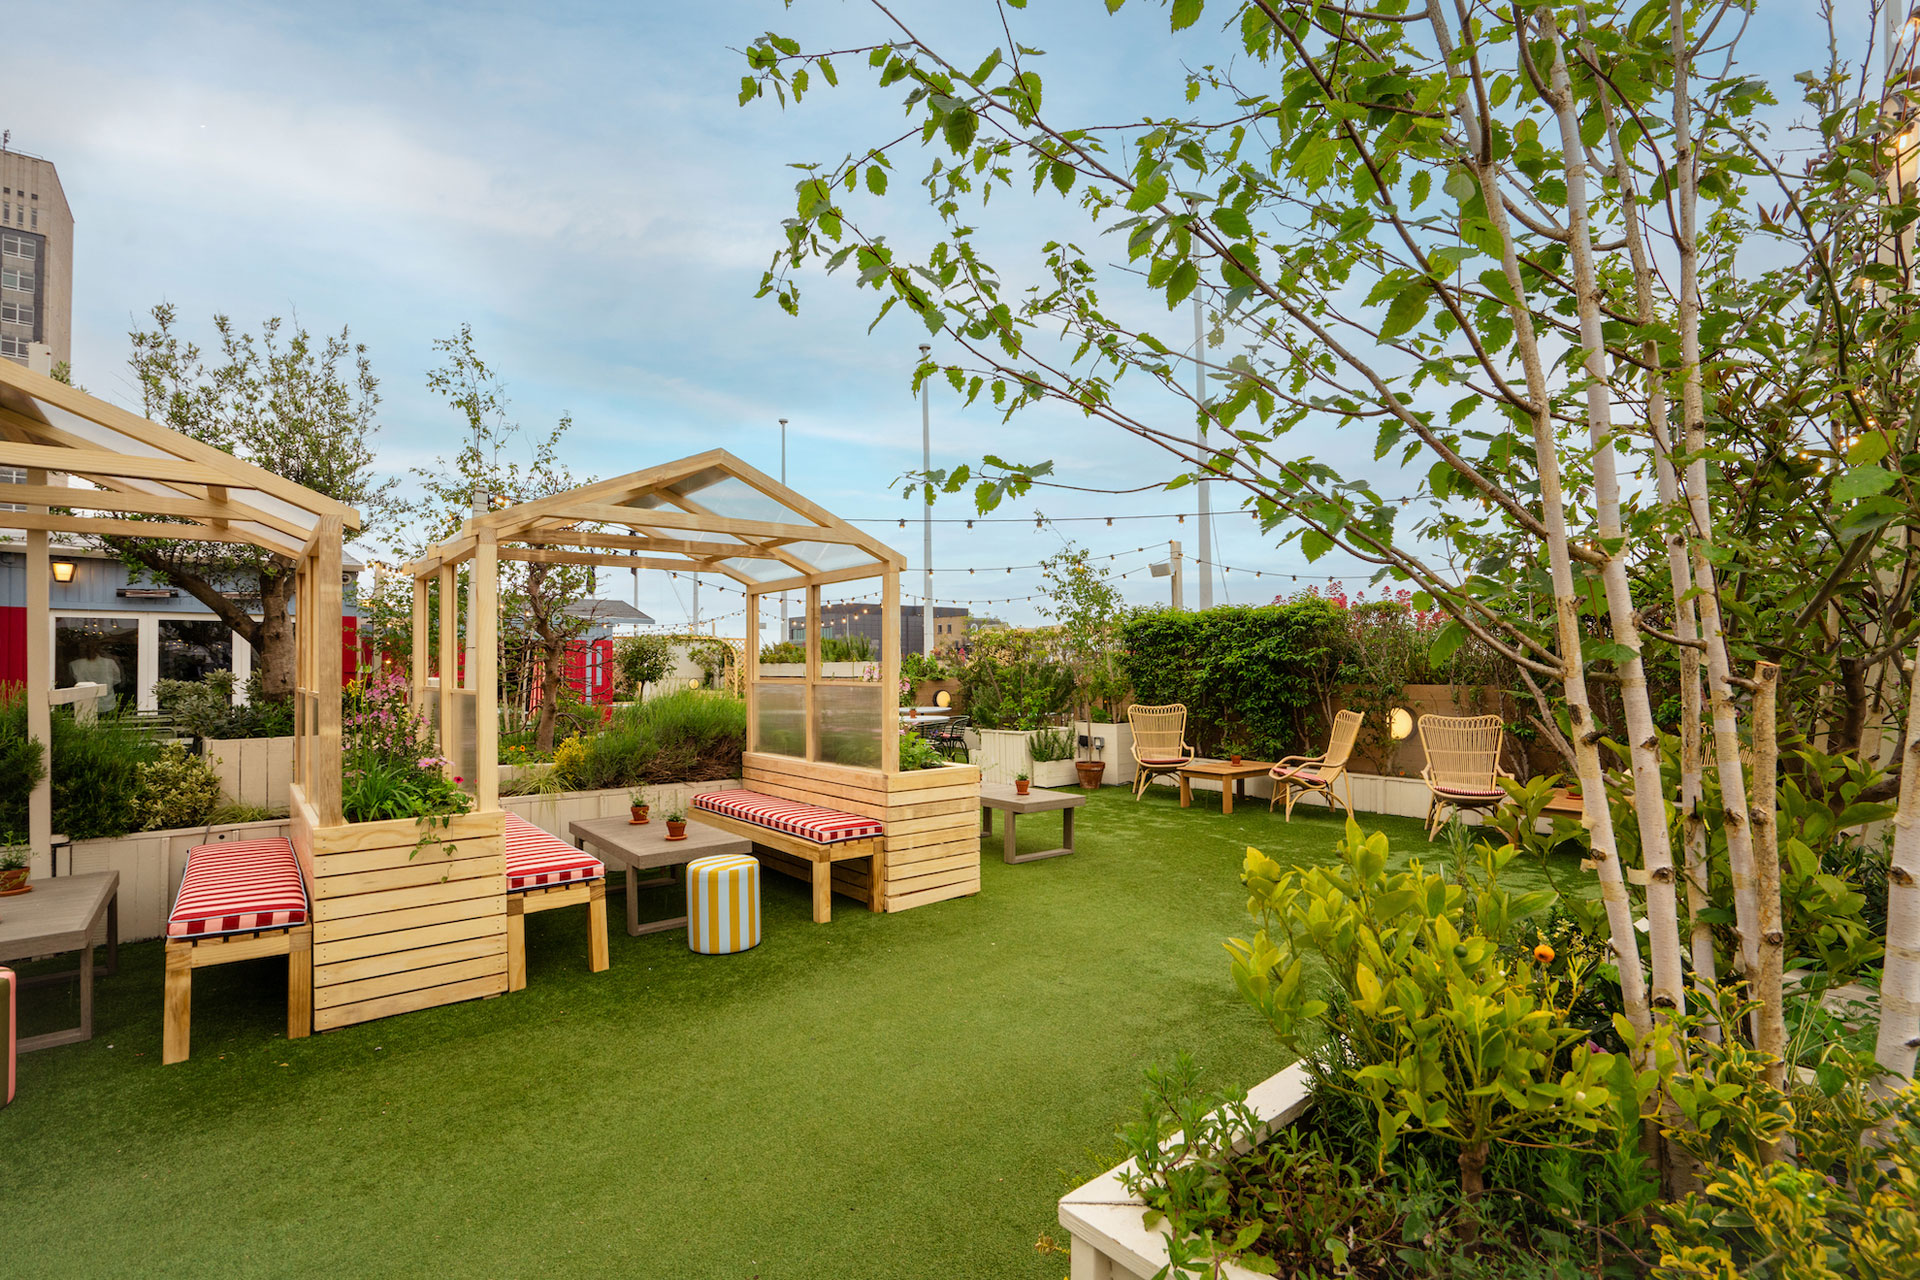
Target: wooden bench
[238, 901]
[817, 836]
[545, 872]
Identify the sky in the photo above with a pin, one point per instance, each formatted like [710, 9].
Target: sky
[578, 182]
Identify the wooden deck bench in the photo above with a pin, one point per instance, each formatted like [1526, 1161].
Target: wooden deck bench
[815, 835]
[545, 872]
[238, 900]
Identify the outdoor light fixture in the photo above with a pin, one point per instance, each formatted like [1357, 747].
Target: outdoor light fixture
[693, 682]
[63, 571]
[1160, 569]
[1400, 724]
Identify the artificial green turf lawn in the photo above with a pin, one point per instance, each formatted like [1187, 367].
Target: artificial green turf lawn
[883, 1096]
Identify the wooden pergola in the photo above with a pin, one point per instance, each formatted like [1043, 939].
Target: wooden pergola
[185, 490]
[708, 514]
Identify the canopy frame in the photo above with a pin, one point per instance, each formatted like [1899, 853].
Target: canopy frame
[660, 523]
[200, 494]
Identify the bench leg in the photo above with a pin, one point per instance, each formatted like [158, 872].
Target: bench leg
[300, 983]
[822, 892]
[877, 891]
[597, 927]
[516, 943]
[176, 1010]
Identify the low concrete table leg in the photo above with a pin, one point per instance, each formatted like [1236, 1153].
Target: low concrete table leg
[1008, 850]
[986, 821]
[1008, 855]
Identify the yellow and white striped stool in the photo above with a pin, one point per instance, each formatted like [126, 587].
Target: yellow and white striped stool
[723, 904]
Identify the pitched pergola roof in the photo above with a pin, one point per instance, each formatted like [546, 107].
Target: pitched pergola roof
[710, 513]
[143, 469]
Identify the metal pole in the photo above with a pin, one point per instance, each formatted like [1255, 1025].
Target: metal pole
[694, 625]
[926, 466]
[1173, 557]
[782, 639]
[1200, 437]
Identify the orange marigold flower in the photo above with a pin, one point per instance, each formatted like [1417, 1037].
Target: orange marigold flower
[1543, 954]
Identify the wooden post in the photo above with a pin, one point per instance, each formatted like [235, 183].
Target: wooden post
[486, 704]
[40, 681]
[813, 670]
[449, 668]
[421, 644]
[890, 670]
[325, 792]
[750, 670]
[300, 722]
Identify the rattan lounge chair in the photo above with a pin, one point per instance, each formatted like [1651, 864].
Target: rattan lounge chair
[1298, 775]
[1463, 764]
[1159, 743]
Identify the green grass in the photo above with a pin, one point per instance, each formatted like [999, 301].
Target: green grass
[884, 1096]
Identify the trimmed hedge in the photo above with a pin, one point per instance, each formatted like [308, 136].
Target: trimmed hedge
[1253, 676]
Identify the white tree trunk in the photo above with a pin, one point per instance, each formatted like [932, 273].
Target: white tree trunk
[1772, 1031]
[1899, 1033]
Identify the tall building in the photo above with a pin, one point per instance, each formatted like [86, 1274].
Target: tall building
[36, 261]
[849, 620]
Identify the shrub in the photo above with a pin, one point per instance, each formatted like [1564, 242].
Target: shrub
[96, 776]
[22, 764]
[689, 735]
[917, 753]
[1015, 681]
[176, 790]
[205, 708]
[1051, 744]
[785, 651]
[642, 660]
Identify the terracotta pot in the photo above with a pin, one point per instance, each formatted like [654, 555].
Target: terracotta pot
[1233, 760]
[1091, 771]
[1020, 786]
[640, 813]
[11, 881]
[676, 830]
[913, 713]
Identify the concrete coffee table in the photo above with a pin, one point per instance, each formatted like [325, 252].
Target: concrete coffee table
[62, 913]
[1003, 796]
[645, 847]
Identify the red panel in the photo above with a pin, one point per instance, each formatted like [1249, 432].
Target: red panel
[13, 644]
[349, 648]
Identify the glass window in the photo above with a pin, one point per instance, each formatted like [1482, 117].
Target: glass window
[189, 650]
[21, 280]
[36, 219]
[782, 727]
[17, 312]
[12, 346]
[18, 247]
[847, 723]
[102, 650]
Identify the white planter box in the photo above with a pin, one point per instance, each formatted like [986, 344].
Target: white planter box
[1000, 753]
[1111, 1240]
[253, 771]
[1117, 755]
[1054, 773]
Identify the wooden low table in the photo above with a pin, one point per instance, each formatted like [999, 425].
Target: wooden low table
[61, 914]
[1002, 796]
[1567, 806]
[1223, 772]
[644, 847]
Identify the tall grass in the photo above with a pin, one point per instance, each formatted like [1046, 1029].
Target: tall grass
[690, 735]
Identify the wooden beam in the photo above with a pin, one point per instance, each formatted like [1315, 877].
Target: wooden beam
[450, 552]
[823, 578]
[695, 522]
[629, 485]
[449, 648]
[107, 527]
[325, 791]
[99, 462]
[750, 668]
[890, 672]
[147, 504]
[39, 681]
[228, 469]
[420, 647]
[813, 670]
[755, 478]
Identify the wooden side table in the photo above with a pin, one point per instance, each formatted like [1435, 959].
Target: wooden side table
[1003, 796]
[1231, 777]
[63, 914]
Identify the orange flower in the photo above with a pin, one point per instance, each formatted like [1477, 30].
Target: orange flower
[1543, 954]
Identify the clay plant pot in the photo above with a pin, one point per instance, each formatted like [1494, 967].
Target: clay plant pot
[676, 830]
[1021, 786]
[1090, 771]
[1233, 760]
[640, 818]
[14, 880]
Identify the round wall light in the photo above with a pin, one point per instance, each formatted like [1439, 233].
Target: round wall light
[1400, 724]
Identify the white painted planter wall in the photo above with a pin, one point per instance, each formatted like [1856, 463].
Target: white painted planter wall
[1117, 755]
[1002, 754]
[1107, 1226]
[151, 863]
[253, 771]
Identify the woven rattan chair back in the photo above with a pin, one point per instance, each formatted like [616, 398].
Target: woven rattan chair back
[1346, 732]
[1463, 752]
[1159, 733]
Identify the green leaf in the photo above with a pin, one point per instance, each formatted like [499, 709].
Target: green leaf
[1149, 193]
[1868, 449]
[961, 125]
[1607, 651]
[1417, 188]
[1185, 277]
[986, 66]
[1861, 482]
[1063, 176]
[1231, 221]
[1451, 637]
[1315, 544]
[1186, 13]
[1408, 308]
[876, 180]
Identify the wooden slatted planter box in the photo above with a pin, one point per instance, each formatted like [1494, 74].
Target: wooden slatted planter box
[932, 847]
[399, 926]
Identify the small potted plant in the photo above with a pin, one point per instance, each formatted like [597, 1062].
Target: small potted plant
[1234, 753]
[676, 816]
[13, 870]
[637, 801]
[1020, 783]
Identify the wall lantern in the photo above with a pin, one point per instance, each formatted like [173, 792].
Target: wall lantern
[1400, 724]
[63, 571]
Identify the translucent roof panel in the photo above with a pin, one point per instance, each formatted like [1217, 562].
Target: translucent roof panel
[829, 555]
[687, 535]
[724, 495]
[761, 570]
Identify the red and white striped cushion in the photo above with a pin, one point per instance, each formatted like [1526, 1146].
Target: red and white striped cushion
[539, 860]
[1470, 793]
[809, 821]
[239, 886]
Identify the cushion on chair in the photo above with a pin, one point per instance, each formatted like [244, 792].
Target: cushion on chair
[1469, 793]
[239, 886]
[794, 817]
[539, 860]
[1303, 773]
[1167, 760]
